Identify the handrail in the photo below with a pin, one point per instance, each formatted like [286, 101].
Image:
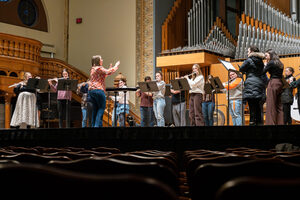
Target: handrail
[12, 46]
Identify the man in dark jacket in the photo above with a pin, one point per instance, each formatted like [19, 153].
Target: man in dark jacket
[254, 86]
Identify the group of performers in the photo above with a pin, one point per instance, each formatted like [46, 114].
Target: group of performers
[28, 106]
[256, 90]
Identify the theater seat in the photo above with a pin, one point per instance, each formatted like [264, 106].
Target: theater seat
[32, 181]
[259, 188]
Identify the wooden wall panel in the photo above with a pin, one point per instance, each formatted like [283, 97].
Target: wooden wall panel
[282, 5]
[174, 29]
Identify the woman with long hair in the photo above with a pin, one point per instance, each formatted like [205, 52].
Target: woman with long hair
[97, 88]
[159, 102]
[254, 86]
[208, 105]
[274, 111]
[196, 96]
[25, 113]
[63, 100]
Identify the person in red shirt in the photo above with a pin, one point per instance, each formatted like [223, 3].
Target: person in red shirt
[146, 106]
[97, 88]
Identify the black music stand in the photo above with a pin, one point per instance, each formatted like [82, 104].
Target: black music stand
[67, 85]
[181, 84]
[149, 86]
[216, 87]
[37, 84]
[116, 93]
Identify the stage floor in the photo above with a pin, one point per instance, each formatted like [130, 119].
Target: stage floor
[164, 138]
[176, 139]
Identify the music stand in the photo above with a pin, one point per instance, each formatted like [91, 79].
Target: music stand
[67, 85]
[217, 87]
[148, 86]
[35, 84]
[109, 93]
[181, 84]
[208, 89]
[116, 93]
[168, 90]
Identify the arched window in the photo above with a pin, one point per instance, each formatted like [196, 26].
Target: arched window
[28, 12]
[13, 74]
[25, 13]
[3, 73]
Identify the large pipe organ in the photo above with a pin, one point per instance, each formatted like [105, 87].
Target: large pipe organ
[261, 24]
[267, 24]
[266, 27]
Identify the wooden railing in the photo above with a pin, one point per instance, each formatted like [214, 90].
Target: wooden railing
[20, 48]
[52, 68]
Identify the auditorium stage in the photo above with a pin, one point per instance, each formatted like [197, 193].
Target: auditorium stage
[176, 139]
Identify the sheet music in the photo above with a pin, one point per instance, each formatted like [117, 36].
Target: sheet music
[228, 65]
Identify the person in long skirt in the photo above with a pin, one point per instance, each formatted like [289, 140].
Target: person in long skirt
[25, 114]
[274, 111]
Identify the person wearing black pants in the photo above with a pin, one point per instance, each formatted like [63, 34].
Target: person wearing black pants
[254, 85]
[64, 108]
[287, 97]
[63, 100]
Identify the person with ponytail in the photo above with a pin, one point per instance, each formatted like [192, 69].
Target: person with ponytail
[97, 88]
[274, 110]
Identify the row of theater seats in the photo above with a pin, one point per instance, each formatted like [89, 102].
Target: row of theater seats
[242, 173]
[71, 172]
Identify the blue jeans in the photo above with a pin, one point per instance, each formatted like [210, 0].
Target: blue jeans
[120, 109]
[99, 101]
[83, 111]
[235, 109]
[147, 116]
[158, 108]
[208, 113]
[87, 115]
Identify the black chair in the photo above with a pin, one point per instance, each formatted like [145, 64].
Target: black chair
[208, 178]
[99, 165]
[29, 181]
[136, 158]
[33, 158]
[106, 149]
[195, 163]
[259, 188]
